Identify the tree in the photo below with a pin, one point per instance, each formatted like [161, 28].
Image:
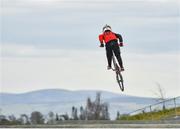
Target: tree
[118, 115]
[89, 109]
[74, 113]
[97, 106]
[160, 93]
[24, 119]
[36, 118]
[97, 110]
[64, 116]
[105, 113]
[12, 118]
[51, 118]
[82, 113]
[57, 117]
[5, 122]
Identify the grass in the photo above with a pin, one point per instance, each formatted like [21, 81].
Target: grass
[155, 115]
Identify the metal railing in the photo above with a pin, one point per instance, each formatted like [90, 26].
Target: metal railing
[172, 103]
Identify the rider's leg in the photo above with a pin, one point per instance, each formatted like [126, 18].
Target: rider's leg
[109, 55]
[117, 53]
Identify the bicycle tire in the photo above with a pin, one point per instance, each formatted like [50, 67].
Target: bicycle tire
[119, 79]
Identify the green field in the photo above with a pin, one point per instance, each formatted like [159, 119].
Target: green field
[155, 115]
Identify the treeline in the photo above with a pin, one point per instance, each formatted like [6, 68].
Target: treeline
[94, 110]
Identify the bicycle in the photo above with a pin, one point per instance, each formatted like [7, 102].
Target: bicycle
[119, 76]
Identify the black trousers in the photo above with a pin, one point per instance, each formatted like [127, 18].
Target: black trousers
[111, 47]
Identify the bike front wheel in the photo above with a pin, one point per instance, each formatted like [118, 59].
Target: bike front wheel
[119, 79]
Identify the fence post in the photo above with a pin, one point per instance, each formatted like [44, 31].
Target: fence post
[175, 106]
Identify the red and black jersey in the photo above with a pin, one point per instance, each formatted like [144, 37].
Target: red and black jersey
[109, 36]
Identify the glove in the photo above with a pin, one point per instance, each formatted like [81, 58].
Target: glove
[121, 44]
[102, 45]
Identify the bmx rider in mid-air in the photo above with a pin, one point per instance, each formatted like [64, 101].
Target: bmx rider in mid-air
[112, 42]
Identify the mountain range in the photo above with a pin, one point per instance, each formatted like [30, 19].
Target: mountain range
[61, 101]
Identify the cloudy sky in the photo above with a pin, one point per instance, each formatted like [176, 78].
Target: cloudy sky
[54, 44]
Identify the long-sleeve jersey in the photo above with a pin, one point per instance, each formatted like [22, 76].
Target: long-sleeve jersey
[109, 36]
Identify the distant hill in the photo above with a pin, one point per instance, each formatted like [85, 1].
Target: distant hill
[61, 101]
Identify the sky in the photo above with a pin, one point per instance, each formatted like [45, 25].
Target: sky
[53, 44]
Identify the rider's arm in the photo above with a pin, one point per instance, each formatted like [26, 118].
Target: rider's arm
[120, 39]
[101, 39]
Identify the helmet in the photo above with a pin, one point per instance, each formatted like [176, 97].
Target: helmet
[106, 27]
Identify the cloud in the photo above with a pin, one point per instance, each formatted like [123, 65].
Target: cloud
[14, 50]
[147, 26]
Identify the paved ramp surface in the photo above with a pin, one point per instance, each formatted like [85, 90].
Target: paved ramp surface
[94, 128]
[120, 126]
[105, 124]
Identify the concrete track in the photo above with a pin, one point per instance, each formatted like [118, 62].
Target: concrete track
[104, 124]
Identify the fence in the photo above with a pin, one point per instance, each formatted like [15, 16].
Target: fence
[173, 103]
